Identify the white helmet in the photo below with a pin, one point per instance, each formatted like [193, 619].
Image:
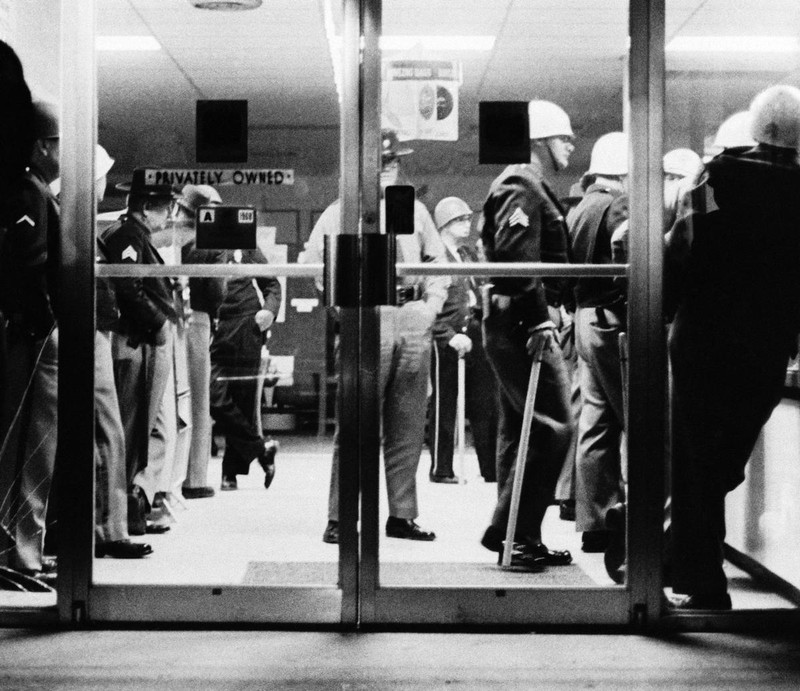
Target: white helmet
[683, 163]
[735, 131]
[546, 119]
[449, 209]
[776, 117]
[610, 155]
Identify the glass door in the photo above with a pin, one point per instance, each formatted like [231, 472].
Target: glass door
[220, 134]
[461, 93]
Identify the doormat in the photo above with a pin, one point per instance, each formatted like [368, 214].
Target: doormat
[464, 575]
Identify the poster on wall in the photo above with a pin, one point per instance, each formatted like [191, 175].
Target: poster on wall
[420, 98]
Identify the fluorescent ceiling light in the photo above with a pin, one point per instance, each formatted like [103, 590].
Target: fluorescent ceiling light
[126, 43]
[471, 43]
[734, 44]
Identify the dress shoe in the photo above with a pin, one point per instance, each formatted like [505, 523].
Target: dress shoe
[406, 529]
[153, 529]
[522, 559]
[566, 509]
[197, 492]
[267, 461]
[444, 479]
[594, 541]
[551, 557]
[228, 483]
[716, 601]
[122, 549]
[138, 508]
[331, 534]
[614, 557]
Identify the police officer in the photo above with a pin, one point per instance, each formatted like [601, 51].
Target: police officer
[524, 222]
[599, 318]
[457, 335]
[405, 356]
[142, 345]
[735, 329]
[29, 301]
[205, 297]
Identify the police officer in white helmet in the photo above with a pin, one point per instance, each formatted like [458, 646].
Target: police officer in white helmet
[735, 328]
[523, 221]
[600, 316]
[457, 335]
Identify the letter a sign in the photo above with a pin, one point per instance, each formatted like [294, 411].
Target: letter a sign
[206, 215]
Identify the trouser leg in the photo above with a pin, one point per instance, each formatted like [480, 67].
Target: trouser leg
[111, 488]
[160, 418]
[405, 370]
[550, 428]
[481, 403]
[131, 383]
[40, 455]
[198, 336]
[442, 409]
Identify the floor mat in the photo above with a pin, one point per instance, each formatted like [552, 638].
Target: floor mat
[415, 573]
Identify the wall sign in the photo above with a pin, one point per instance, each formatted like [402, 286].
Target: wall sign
[420, 98]
[219, 176]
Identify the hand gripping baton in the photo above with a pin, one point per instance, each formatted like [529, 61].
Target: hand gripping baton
[522, 454]
[462, 406]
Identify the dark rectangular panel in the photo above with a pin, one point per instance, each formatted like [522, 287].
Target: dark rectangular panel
[226, 227]
[503, 132]
[400, 209]
[221, 131]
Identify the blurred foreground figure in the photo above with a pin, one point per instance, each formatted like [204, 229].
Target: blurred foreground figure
[734, 330]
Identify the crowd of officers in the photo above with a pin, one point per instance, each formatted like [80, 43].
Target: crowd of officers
[732, 303]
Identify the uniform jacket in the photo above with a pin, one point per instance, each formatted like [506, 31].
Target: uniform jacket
[523, 222]
[591, 226]
[205, 294]
[144, 303]
[28, 257]
[455, 314]
[241, 298]
[734, 272]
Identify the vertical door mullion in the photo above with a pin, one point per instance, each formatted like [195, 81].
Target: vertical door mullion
[647, 363]
[369, 394]
[76, 334]
[349, 326]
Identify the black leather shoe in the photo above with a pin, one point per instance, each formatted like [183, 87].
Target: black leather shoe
[614, 557]
[566, 510]
[122, 549]
[444, 479]
[228, 484]
[267, 461]
[197, 492]
[522, 559]
[716, 601]
[551, 557]
[154, 529]
[138, 508]
[594, 541]
[406, 529]
[331, 534]
[493, 539]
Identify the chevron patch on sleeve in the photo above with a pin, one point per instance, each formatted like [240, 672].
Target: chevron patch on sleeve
[129, 253]
[519, 218]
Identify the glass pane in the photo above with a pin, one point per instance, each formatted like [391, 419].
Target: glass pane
[238, 391]
[548, 85]
[729, 365]
[28, 302]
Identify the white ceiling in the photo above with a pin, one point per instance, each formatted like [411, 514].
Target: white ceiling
[277, 57]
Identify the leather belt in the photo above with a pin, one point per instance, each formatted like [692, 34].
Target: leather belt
[408, 294]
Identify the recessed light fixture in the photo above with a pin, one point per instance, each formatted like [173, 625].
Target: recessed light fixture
[126, 43]
[469, 43]
[226, 5]
[734, 44]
